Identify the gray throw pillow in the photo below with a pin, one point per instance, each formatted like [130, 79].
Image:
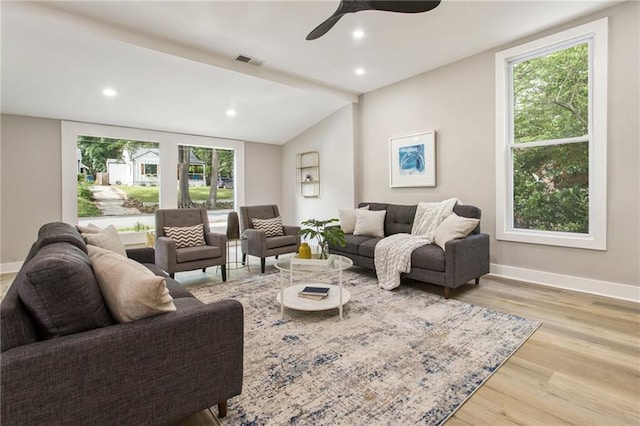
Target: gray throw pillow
[61, 292]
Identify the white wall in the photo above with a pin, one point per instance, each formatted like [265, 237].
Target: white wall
[263, 165]
[333, 138]
[458, 102]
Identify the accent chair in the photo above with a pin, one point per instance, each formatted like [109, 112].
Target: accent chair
[263, 234]
[184, 242]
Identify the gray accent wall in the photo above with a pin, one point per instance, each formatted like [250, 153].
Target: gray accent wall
[458, 102]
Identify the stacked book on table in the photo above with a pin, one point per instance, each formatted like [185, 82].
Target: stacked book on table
[314, 293]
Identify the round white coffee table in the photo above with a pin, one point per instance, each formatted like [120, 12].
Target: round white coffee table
[298, 269]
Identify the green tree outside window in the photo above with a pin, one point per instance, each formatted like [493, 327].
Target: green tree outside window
[550, 151]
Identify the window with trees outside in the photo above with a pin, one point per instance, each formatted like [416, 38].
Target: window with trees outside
[551, 139]
[119, 177]
[118, 182]
[205, 177]
[136, 168]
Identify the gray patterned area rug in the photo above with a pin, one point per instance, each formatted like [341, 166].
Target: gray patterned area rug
[398, 357]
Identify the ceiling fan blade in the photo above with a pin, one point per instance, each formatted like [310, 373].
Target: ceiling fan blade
[415, 6]
[352, 6]
[322, 29]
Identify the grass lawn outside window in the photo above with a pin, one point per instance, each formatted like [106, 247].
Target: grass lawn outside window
[150, 194]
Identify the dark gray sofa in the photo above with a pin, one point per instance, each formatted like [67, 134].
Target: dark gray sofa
[156, 370]
[462, 260]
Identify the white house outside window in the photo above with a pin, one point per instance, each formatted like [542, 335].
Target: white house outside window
[551, 139]
[143, 167]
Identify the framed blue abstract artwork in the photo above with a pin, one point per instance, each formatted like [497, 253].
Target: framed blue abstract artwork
[412, 160]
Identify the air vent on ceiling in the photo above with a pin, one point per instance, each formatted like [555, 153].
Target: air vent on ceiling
[249, 60]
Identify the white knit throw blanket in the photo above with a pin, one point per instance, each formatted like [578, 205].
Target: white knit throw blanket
[392, 255]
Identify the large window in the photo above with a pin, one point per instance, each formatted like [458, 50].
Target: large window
[118, 182]
[551, 139]
[205, 177]
[142, 173]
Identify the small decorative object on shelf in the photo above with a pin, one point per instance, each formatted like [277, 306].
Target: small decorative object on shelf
[324, 234]
[304, 252]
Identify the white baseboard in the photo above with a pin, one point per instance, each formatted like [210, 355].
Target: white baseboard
[10, 267]
[567, 282]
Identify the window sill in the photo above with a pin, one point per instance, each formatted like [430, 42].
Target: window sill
[582, 241]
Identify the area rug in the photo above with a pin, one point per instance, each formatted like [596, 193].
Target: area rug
[398, 357]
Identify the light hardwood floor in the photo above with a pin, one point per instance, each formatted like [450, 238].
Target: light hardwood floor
[581, 367]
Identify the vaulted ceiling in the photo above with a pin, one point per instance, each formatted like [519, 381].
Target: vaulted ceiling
[174, 68]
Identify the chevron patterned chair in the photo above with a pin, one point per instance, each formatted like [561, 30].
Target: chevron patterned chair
[263, 235]
[184, 242]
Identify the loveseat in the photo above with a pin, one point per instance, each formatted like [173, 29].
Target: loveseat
[462, 259]
[79, 366]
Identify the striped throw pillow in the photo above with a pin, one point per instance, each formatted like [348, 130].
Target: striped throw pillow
[186, 236]
[271, 227]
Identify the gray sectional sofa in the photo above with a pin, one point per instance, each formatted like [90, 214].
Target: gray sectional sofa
[66, 361]
[462, 260]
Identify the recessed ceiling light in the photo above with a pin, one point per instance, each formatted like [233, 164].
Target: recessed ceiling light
[358, 34]
[109, 92]
[231, 113]
[359, 71]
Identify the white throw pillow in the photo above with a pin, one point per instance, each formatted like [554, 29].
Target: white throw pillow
[130, 290]
[89, 229]
[186, 236]
[452, 227]
[348, 219]
[271, 227]
[107, 239]
[370, 223]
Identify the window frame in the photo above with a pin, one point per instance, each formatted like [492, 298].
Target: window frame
[596, 34]
[145, 165]
[168, 144]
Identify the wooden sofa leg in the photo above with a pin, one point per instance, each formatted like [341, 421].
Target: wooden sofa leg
[446, 292]
[478, 281]
[222, 409]
[172, 275]
[244, 258]
[262, 264]
[223, 270]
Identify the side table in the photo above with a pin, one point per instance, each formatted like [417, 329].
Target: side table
[232, 260]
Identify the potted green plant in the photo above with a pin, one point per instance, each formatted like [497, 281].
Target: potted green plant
[324, 232]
